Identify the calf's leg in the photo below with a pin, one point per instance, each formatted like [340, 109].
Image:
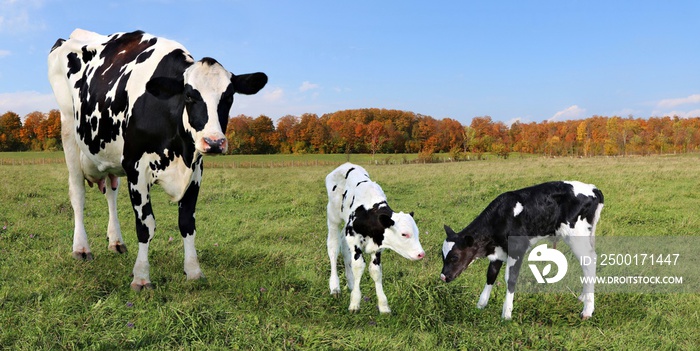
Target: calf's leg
[512, 272]
[358, 267]
[375, 271]
[491, 274]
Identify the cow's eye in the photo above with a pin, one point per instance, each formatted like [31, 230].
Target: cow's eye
[405, 235]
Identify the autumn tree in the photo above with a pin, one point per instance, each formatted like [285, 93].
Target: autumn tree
[10, 130]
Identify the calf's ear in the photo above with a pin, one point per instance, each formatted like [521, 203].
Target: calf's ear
[164, 87]
[449, 230]
[250, 83]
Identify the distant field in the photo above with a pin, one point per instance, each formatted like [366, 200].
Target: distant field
[261, 242]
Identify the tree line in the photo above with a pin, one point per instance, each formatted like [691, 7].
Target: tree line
[375, 130]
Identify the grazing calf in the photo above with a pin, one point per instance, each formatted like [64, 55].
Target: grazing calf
[520, 218]
[370, 226]
[140, 106]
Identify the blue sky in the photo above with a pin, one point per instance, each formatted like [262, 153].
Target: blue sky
[511, 60]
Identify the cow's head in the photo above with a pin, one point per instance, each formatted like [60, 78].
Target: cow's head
[391, 230]
[207, 89]
[458, 251]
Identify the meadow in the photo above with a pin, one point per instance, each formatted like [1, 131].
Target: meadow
[261, 243]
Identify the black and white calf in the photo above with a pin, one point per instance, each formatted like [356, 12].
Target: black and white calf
[513, 222]
[368, 226]
[139, 106]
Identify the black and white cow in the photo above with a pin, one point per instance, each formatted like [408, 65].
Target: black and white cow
[368, 226]
[139, 106]
[513, 222]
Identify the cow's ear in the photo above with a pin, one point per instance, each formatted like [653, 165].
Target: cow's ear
[250, 83]
[164, 87]
[385, 220]
[449, 231]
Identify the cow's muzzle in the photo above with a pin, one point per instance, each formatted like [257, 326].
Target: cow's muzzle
[215, 146]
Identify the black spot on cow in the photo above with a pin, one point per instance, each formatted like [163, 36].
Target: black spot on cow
[334, 186]
[142, 57]
[358, 253]
[377, 259]
[88, 54]
[348, 172]
[358, 183]
[372, 223]
[74, 64]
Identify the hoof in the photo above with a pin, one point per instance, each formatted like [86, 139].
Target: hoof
[85, 256]
[141, 286]
[195, 276]
[117, 247]
[584, 318]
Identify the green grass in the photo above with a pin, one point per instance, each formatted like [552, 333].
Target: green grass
[261, 242]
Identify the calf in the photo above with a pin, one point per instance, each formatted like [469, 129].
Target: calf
[140, 106]
[513, 222]
[369, 226]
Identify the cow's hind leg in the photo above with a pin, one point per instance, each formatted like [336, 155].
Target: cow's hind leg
[188, 231]
[114, 233]
[333, 246]
[582, 246]
[512, 271]
[76, 190]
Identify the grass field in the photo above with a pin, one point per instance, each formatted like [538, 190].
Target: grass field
[261, 243]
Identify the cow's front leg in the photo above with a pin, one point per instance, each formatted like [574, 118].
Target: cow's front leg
[358, 267]
[188, 231]
[375, 271]
[145, 229]
[491, 274]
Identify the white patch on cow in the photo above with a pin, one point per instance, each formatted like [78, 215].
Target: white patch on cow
[518, 208]
[582, 188]
[447, 247]
[498, 254]
[484, 297]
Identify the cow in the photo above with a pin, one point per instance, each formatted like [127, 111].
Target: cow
[136, 105]
[361, 221]
[514, 221]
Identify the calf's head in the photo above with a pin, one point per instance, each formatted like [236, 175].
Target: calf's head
[458, 251]
[391, 230]
[206, 91]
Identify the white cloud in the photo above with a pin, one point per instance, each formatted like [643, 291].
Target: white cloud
[671, 103]
[24, 102]
[571, 112]
[4, 53]
[17, 16]
[306, 86]
[273, 95]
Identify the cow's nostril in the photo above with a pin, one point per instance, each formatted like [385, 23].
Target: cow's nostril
[215, 145]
